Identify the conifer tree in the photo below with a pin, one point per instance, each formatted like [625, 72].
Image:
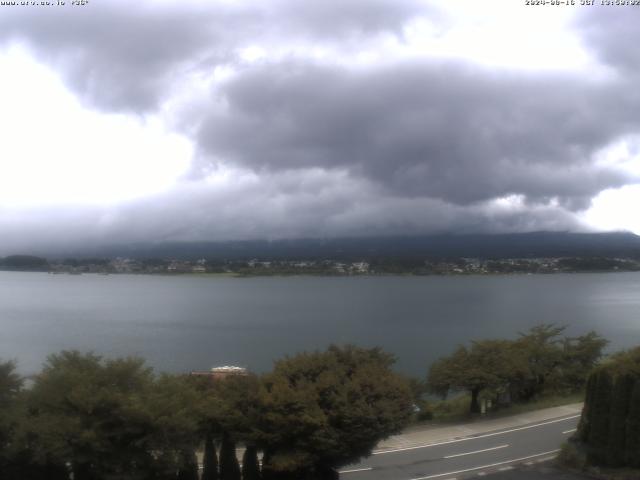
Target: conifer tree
[229, 467]
[250, 465]
[621, 398]
[599, 432]
[584, 427]
[632, 444]
[210, 461]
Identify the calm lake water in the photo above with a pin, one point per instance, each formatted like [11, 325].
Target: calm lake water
[180, 323]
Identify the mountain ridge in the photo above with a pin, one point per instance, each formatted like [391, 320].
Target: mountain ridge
[509, 245]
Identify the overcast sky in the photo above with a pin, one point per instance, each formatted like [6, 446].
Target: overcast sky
[213, 120]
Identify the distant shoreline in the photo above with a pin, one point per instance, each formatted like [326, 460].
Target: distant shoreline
[324, 275]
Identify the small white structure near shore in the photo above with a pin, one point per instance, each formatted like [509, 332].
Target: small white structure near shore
[225, 371]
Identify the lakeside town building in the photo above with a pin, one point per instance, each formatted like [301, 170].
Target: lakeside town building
[220, 373]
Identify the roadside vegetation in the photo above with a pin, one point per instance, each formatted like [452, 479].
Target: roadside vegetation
[540, 365]
[608, 438]
[456, 409]
[89, 418]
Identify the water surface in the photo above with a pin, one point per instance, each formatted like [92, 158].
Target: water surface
[181, 323]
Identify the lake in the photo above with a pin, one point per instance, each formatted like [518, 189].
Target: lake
[182, 323]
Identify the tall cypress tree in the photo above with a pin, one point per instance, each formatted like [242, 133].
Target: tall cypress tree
[619, 410]
[210, 460]
[632, 444]
[229, 467]
[601, 406]
[250, 465]
[584, 427]
[610, 423]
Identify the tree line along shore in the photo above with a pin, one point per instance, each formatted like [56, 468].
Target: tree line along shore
[91, 418]
[324, 266]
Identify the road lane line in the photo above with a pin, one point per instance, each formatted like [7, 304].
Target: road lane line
[477, 451]
[486, 466]
[569, 431]
[545, 459]
[356, 470]
[466, 439]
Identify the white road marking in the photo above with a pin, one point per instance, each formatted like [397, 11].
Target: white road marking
[356, 470]
[569, 431]
[546, 459]
[505, 469]
[482, 474]
[466, 439]
[486, 466]
[477, 451]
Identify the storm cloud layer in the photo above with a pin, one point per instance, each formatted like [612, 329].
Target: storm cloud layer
[321, 118]
[443, 131]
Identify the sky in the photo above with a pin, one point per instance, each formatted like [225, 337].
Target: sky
[244, 119]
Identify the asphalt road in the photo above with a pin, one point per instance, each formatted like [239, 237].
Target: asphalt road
[467, 457]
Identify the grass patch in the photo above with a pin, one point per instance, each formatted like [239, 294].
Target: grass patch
[456, 409]
[541, 403]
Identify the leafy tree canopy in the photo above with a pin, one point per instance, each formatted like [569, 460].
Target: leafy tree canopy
[487, 364]
[539, 359]
[328, 409]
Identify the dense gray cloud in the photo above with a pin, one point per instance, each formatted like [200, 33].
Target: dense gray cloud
[126, 56]
[335, 19]
[613, 35]
[117, 55]
[434, 129]
[333, 148]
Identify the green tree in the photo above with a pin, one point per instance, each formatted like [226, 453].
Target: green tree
[236, 400]
[110, 419]
[188, 468]
[90, 413]
[539, 361]
[327, 409]
[229, 409]
[542, 348]
[210, 460]
[584, 426]
[487, 364]
[24, 262]
[599, 431]
[173, 410]
[250, 464]
[632, 444]
[618, 418]
[10, 385]
[229, 467]
[610, 423]
[579, 356]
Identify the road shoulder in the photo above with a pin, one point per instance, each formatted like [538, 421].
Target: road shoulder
[429, 435]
